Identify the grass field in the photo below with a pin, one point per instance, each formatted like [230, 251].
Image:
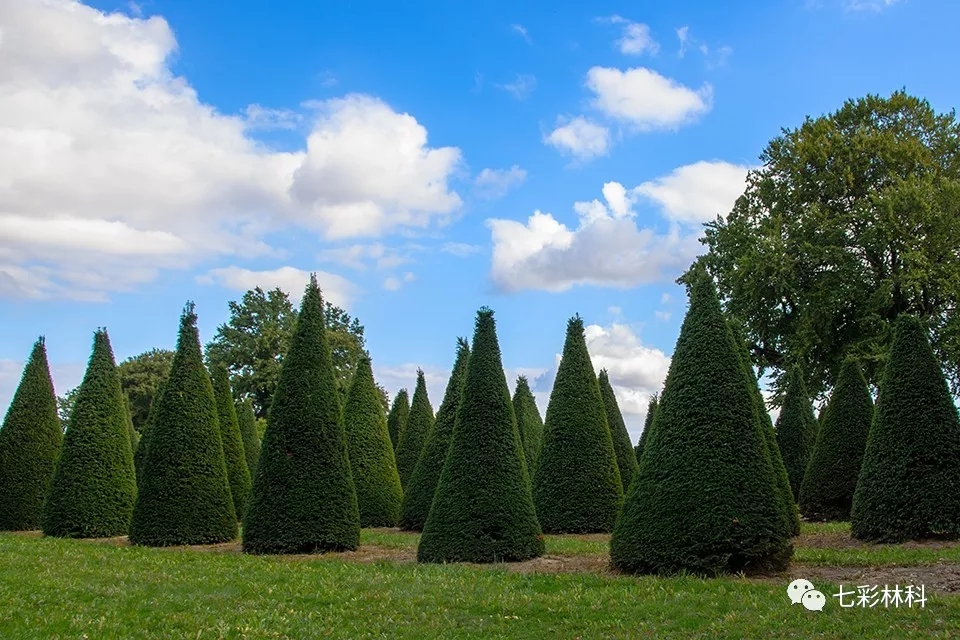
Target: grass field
[58, 589]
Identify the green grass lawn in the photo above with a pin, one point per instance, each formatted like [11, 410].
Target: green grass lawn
[58, 589]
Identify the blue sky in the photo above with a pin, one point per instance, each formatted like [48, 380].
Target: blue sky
[425, 158]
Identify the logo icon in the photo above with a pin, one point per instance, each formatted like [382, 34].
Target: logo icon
[801, 591]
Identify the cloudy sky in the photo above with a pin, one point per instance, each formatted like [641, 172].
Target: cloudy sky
[425, 159]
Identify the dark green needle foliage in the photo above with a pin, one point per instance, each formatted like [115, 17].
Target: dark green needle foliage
[422, 485]
[131, 432]
[647, 422]
[705, 498]
[577, 486]
[909, 479]
[398, 416]
[95, 485]
[184, 495]
[529, 423]
[248, 433]
[30, 441]
[831, 477]
[372, 462]
[626, 456]
[304, 499]
[237, 470]
[796, 430]
[482, 510]
[141, 452]
[419, 424]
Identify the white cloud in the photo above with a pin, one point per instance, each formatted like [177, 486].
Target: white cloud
[336, 289]
[697, 192]
[869, 5]
[522, 31]
[267, 119]
[714, 56]
[521, 87]
[357, 256]
[636, 38]
[646, 100]
[495, 183]
[394, 283]
[683, 34]
[663, 316]
[580, 138]
[461, 249]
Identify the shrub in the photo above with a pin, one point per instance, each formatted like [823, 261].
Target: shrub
[529, 423]
[419, 424]
[647, 422]
[796, 430]
[398, 416]
[626, 456]
[236, 459]
[247, 422]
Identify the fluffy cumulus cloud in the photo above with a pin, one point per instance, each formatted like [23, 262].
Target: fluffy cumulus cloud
[579, 137]
[636, 38]
[646, 100]
[335, 288]
[362, 256]
[114, 169]
[697, 192]
[496, 183]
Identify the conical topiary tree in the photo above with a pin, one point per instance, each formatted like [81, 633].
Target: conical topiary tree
[577, 486]
[419, 424]
[30, 441]
[626, 456]
[907, 489]
[831, 477]
[398, 416]
[131, 431]
[422, 485]
[141, 452]
[247, 422]
[529, 423]
[304, 498]
[372, 462]
[95, 485]
[705, 497]
[796, 430]
[482, 510]
[647, 421]
[236, 459]
[184, 494]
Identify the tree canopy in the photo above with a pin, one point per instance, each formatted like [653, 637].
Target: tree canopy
[140, 376]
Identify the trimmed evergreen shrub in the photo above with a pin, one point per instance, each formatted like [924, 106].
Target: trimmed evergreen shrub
[796, 430]
[248, 433]
[304, 499]
[909, 479]
[398, 416]
[94, 485]
[482, 510]
[184, 495]
[30, 442]
[131, 432]
[626, 456]
[647, 422]
[529, 423]
[705, 497]
[577, 486]
[237, 470]
[372, 462]
[422, 485]
[831, 477]
[414, 434]
[141, 452]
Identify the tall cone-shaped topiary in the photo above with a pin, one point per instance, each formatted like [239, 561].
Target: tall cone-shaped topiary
[304, 498]
[95, 485]
[247, 422]
[372, 461]
[131, 431]
[705, 498]
[909, 478]
[796, 430]
[422, 485]
[419, 424]
[529, 423]
[30, 441]
[398, 416]
[647, 422]
[626, 456]
[482, 510]
[831, 477]
[233, 453]
[184, 495]
[141, 452]
[577, 486]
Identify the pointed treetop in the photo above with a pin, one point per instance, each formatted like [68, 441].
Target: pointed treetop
[575, 324]
[522, 382]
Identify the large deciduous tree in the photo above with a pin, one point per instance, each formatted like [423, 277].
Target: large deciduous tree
[140, 377]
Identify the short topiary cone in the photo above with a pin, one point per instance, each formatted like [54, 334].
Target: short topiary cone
[796, 430]
[304, 499]
[909, 479]
[831, 477]
[398, 416]
[482, 510]
[529, 423]
[372, 462]
[647, 422]
[705, 497]
[422, 485]
[577, 486]
[237, 470]
[626, 456]
[95, 485]
[184, 493]
[248, 433]
[30, 441]
[419, 424]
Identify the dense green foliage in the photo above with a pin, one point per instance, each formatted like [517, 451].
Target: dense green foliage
[705, 498]
[132, 433]
[65, 406]
[304, 498]
[372, 461]
[184, 492]
[30, 441]
[647, 422]
[577, 486]
[529, 423]
[910, 473]
[831, 477]
[140, 376]
[796, 430]
[420, 489]
[140, 454]
[398, 416]
[482, 510]
[626, 456]
[414, 434]
[94, 486]
[248, 433]
[233, 454]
